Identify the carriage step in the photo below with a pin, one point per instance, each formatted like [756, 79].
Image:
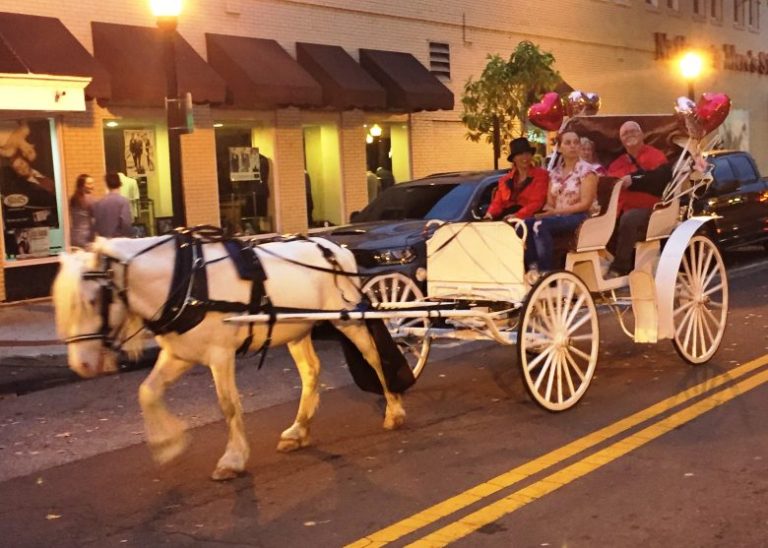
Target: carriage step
[643, 291]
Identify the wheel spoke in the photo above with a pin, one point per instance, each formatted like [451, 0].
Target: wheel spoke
[711, 290]
[683, 307]
[551, 378]
[584, 319]
[535, 361]
[574, 365]
[567, 373]
[579, 352]
[684, 322]
[544, 369]
[575, 309]
[705, 326]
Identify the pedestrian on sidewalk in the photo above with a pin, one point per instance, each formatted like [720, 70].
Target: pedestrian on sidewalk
[81, 212]
[112, 214]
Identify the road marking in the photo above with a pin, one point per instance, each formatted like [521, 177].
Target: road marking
[590, 463]
[479, 492]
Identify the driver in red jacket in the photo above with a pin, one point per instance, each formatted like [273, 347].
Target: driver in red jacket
[523, 190]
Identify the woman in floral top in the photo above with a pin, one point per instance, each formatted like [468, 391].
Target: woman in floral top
[572, 192]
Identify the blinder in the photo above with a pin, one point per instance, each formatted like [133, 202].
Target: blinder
[107, 290]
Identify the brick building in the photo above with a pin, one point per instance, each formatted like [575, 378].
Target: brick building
[262, 76]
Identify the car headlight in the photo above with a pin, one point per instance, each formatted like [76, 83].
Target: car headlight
[396, 255]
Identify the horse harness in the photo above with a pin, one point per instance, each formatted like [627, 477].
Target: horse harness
[188, 300]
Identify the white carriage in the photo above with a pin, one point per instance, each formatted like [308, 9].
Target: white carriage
[476, 282]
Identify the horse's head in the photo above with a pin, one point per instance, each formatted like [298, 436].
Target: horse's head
[90, 315]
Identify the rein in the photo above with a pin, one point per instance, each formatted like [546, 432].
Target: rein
[187, 302]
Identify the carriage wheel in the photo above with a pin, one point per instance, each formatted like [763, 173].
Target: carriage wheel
[394, 288]
[558, 339]
[701, 301]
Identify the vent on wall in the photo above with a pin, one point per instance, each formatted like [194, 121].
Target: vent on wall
[440, 60]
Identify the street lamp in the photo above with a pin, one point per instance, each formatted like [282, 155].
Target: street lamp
[691, 64]
[167, 13]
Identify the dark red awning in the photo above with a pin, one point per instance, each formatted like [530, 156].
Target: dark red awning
[345, 83]
[260, 74]
[410, 86]
[133, 56]
[43, 45]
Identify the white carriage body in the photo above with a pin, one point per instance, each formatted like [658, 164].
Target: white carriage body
[476, 261]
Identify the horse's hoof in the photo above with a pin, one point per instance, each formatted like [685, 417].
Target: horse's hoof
[167, 450]
[394, 422]
[225, 473]
[286, 445]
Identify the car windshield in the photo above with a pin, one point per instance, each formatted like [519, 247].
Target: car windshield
[435, 201]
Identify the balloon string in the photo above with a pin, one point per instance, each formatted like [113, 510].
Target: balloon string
[552, 158]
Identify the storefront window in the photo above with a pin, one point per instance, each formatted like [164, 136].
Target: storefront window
[31, 189]
[322, 175]
[244, 166]
[387, 152]
[131, 149]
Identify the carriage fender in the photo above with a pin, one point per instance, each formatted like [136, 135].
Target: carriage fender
[666, 272]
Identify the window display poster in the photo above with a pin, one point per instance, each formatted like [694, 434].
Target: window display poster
[244, 164]
[139, 151]
[32, 242]
[26, 168]
[734, 132]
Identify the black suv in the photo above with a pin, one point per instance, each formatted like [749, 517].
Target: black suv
[390, 234]
[739, 196]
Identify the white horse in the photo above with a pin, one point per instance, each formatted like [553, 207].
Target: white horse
[106, 295]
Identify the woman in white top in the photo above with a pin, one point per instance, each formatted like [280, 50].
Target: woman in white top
[572, 192]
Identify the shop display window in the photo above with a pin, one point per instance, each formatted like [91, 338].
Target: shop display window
[243, 167]
[31, 188]
[387, 153]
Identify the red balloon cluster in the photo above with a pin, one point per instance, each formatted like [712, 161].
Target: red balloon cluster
[549, 112]
[705, 116]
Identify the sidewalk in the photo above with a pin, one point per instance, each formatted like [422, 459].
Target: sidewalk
[31, 355]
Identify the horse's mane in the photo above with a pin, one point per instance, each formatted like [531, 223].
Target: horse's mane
[71, 304]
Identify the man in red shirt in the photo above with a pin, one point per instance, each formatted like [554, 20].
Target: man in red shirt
[645, 172]
[523, 190]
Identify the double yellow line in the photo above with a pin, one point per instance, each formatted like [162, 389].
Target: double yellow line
[494, 511]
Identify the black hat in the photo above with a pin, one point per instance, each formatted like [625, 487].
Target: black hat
[518, 146]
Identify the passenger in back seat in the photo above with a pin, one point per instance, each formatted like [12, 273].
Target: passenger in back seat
[572, 193]
[644, 171]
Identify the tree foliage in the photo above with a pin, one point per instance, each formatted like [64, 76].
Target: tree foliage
[507, 89]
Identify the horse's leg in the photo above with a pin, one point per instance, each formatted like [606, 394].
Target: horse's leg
[308, 364]
[362, 339]
[232, 462]
[165, 432]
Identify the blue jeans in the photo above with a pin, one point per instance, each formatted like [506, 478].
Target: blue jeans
[539, 247]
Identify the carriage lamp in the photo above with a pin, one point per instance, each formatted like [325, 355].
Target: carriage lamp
[395, 255]
[691, 65]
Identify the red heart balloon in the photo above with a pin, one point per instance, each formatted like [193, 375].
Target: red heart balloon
[712, 110]
[547, 113]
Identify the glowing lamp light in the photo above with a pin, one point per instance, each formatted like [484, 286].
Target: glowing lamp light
[218, 124]
[369, 138]
[165, 8]
[691, 65]
[111, 123]
[376, 130]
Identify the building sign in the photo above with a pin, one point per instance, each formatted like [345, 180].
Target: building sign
[725, 57]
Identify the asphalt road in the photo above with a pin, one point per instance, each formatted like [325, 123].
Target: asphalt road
[692, 471]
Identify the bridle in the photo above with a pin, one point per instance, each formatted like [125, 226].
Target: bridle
[108, 290]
